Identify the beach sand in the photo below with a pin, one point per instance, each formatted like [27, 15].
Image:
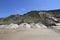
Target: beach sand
[29, 34]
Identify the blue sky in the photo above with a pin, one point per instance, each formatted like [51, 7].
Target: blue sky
[8, 7]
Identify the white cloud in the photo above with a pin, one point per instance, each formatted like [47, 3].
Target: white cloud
[21, 9]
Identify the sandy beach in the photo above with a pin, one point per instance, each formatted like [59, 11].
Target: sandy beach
[30, 34]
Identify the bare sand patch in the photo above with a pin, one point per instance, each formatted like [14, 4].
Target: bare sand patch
[30, 34]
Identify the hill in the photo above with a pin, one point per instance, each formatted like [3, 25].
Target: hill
[50, 16]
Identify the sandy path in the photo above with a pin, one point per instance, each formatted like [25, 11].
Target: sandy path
[31, 34]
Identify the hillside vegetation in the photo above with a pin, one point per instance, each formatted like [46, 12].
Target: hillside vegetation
[33, 17]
